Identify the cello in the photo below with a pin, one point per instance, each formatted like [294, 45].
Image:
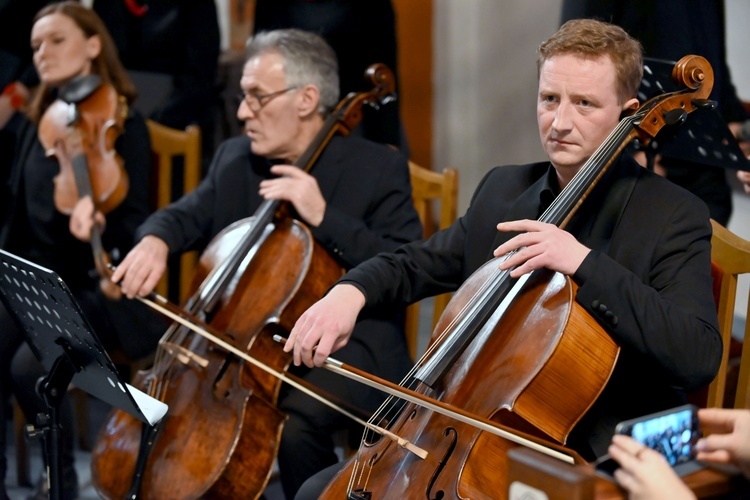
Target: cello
[80, 128]
[518, 352]
[220, 436]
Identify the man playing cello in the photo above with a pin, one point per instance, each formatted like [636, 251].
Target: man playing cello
[638, 248]
[356, 201]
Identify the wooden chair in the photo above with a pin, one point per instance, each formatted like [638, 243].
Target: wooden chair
[167, 144]
[730, 255]
[429, 187]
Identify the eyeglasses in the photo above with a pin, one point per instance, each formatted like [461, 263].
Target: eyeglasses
[256, 102]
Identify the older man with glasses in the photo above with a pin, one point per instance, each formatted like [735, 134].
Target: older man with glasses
[356, 201]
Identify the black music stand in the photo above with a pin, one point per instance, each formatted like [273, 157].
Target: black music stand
[62, 339]
[704, 138]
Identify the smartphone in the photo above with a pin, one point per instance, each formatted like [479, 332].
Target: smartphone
[673, 433]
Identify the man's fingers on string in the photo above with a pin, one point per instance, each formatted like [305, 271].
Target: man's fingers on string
[289, 344]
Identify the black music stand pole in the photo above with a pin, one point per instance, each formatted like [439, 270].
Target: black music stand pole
[58, 333]
[51, 389]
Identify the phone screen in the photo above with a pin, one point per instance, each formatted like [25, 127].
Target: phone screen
[673, 433]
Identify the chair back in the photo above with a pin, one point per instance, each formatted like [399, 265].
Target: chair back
[428, 188]
[167, 145]
[730, 256]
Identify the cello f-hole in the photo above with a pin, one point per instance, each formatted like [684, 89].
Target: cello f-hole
[451, 433]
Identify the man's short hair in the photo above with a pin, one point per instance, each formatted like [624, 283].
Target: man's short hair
[593, 38]
[308, 60]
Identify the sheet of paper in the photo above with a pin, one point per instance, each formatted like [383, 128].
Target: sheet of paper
[152, 408]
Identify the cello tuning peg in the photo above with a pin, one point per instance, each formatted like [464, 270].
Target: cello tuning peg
[704, 103]
[675, 116]
[388, 98]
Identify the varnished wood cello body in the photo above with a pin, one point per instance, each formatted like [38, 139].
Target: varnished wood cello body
[221, 433]
[519, 353]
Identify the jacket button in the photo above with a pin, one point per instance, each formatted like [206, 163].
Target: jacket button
[610, 316]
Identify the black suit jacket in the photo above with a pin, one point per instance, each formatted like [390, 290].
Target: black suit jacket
[369, 210]
[649, 268]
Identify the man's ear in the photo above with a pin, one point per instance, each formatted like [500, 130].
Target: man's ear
[631, 105]
[309, 99]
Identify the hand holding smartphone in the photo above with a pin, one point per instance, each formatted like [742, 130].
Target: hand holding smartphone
[673, 433]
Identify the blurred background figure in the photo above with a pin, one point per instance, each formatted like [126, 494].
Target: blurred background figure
[361, 33]
[69, 41]
[17, 73]
[171, 51]
[670, 29]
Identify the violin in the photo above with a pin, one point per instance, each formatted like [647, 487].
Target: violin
[254, 278]
[514, 353]
[80, 129]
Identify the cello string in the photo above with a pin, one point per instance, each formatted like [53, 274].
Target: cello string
[343, 124]
[624, 133]
[425, 377]
[342, 120]
[440, 407]
[289, 379]
[367, 379]
[591, 169]
[482, 296]
[203, 300]
[493, 284]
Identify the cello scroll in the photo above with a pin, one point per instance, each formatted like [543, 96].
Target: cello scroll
[348, 113]
[693, 72]
[482, 346]
[255, 277]
[383, 91]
